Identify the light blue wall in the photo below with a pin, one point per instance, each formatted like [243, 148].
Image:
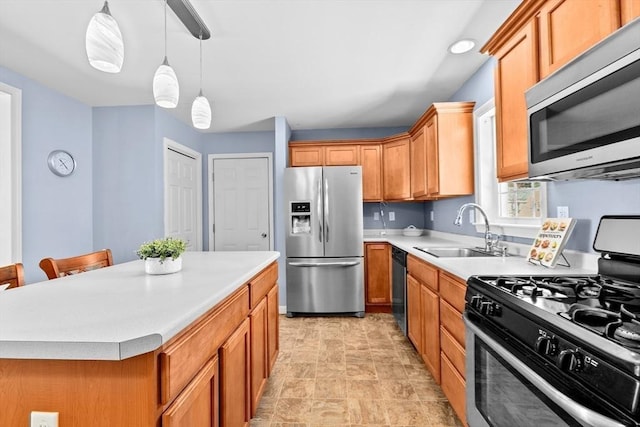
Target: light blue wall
[56, 212]
[352, 133]
[587, 200]
[406, 213]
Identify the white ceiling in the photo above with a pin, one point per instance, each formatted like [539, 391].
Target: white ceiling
[322, 64]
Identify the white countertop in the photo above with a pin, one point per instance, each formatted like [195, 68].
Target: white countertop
[581, 263]
[118, 312]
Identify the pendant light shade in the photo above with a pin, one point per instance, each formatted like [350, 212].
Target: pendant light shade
[166, 89]
[201, 112]
[103, 41]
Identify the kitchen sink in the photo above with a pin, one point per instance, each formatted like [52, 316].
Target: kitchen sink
[458, 252]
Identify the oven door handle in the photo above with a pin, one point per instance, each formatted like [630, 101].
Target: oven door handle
[583, 415]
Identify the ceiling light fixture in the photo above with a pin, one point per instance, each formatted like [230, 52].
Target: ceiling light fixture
[105, 48]
[166, 89]
[200, 109]
[462, 46]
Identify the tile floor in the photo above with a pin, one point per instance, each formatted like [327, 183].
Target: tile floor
[350, 372]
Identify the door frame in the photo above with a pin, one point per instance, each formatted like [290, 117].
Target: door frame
[210, 171]
[13, 186]
[168, 144]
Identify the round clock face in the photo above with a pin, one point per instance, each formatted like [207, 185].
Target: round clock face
[61, 163]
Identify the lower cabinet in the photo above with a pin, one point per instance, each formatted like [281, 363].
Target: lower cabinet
[259, 356]
[273, 326]
[414, 316]
[197, 405]
[430, 351]
[235, 387]
[377, 280]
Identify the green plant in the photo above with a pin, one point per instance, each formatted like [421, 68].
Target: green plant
[162, 248]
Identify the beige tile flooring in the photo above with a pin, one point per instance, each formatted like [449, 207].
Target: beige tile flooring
[345, 371]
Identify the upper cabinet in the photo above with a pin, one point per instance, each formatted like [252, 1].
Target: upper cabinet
[341, 155]
[371, 161]
[442, 151]
[396, 156]
[539, 37]
[336, 154]
[306, 155]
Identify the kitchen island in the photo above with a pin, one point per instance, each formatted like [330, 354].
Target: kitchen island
[116, 346]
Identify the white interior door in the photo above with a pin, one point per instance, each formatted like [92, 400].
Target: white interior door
[241, 204]
[182, 201]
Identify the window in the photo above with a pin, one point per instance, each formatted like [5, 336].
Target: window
[514, 208]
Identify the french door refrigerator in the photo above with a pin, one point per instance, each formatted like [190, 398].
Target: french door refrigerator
[324, 247]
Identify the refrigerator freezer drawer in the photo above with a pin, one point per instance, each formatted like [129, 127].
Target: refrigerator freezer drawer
[325, 286]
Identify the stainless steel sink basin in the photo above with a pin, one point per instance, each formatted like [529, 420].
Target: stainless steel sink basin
[458, 252]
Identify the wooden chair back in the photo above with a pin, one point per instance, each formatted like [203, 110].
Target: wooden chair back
[12, 274]
[55, 268]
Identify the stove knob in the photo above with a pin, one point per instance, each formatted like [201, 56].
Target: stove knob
[486, 308]
[547, 346]
[476, 300]
[570, 360]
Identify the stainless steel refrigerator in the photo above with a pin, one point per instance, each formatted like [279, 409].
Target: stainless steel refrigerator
[325, 264]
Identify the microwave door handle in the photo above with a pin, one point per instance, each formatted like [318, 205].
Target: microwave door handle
[582, 414]
[326, 210]
[319, 208]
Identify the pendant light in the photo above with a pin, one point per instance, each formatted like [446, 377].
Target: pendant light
[200, 109]
[166, 89]
[105, 49]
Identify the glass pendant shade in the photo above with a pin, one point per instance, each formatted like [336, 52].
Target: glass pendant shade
[103, 41]
[166, 89]
[201, 112]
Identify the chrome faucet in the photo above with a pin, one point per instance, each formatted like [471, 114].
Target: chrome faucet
[489, 242]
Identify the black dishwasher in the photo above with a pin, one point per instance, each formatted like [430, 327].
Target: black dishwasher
[399, 287]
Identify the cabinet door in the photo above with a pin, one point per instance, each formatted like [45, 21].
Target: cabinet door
[235, 373]
[516, 71]
[629, 10]
[273, 322]
[569, 27]
[378, 275]
[341, 155]
[414, 321]
[259, 358]
[312, 155]
[371, 161]
[397, 176]
[430, 353]
[419, 164]
[197, 404]
[433, 160]
[453, 386]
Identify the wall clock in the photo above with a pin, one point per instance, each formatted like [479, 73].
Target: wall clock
[61, 163]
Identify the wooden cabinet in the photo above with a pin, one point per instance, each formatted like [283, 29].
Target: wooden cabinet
[453, 386]
[235, 381]
[516, 71]
[629, 10]
[259, 357]
[306, 155]
[341, 155]
[442, 151]
[371, 161]
[197, 405]
[273, 324]
[377, 277]
[569, 27]
[430, 314]
[414, 317]
[396, 157]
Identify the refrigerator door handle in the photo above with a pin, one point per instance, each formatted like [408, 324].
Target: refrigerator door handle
[324, 264]
[319, 209]
[326, 209]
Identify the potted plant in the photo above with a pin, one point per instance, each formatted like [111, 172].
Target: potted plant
[162, 256]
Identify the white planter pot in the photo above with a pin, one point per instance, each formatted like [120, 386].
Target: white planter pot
[169, 265]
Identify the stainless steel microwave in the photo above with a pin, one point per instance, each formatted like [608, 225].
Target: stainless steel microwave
[584, 119]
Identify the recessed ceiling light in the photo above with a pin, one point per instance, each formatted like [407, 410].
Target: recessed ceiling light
[462, 46]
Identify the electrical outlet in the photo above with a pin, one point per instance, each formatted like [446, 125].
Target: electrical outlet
[376, 216]
[563, 211]
[432, 215]
[44, 419]
[392, 216]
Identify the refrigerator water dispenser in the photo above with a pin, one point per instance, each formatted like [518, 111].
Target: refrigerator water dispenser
[300, 218]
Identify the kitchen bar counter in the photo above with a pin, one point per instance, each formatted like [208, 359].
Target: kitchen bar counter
[581, 263]
[118, 312]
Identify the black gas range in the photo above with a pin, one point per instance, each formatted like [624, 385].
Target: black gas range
[575, 338]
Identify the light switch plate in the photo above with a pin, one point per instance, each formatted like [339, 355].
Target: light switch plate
[44, 419]
[376, 216]
[563, 211]
[392, 216]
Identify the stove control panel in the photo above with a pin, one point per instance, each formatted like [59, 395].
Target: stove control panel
[485, 306]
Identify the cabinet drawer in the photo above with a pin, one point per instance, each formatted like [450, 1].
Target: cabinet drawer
[260, 285]
[451, 319]
[423, 272]
[453, 350]
[183, 358]
[453, 386]
[452, 290]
